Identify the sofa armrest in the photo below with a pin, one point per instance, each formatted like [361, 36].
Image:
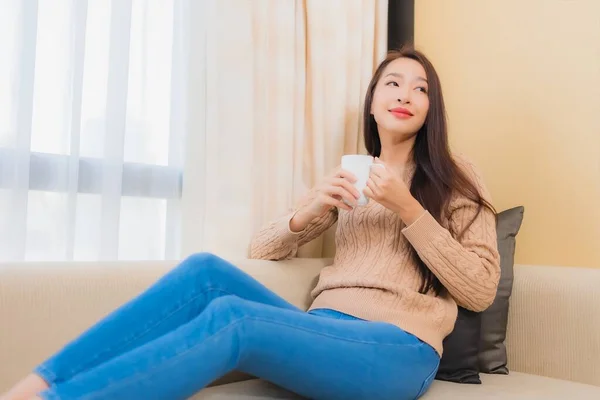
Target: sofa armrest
[554, 323]
[45, 305]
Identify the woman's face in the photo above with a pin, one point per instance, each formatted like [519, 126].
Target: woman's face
[400, 101]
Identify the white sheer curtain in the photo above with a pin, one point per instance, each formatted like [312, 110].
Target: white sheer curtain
[92, 121]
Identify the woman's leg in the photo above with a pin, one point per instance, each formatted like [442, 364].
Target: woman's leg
[320, 357]
[26, 388]
[173, 300]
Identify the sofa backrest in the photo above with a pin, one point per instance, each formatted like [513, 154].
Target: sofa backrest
[553, 326]
[554, 323]
[44, 305]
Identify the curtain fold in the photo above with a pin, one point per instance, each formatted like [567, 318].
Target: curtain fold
[285, 82]
[151, 129]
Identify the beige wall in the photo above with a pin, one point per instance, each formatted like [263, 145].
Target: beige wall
[522, 85]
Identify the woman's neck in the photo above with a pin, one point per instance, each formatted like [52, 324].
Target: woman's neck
[396, 153]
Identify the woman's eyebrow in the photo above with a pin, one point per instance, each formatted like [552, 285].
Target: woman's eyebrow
[398, 75]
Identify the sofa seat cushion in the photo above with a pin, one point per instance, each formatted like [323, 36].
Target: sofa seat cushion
[254, 389]
[517, 386]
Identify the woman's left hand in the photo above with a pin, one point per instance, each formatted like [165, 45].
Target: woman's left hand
[390, 190]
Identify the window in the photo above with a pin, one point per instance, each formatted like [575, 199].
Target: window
[92, 122]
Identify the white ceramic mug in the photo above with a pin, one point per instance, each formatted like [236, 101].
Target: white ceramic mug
[360, 166]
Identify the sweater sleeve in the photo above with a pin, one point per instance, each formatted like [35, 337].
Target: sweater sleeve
[275, 241]
[469, 269]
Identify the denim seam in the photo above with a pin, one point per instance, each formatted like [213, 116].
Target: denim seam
[160, 367]
[121, 345]
[333, 336]
[429, 377]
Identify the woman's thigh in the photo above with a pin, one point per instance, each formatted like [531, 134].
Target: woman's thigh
[333, 356]
[318, 355]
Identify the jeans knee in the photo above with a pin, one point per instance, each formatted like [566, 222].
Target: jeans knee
[202, 258]
[207, 265]
[229, 308]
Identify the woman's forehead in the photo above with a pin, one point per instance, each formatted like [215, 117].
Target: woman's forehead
[405, 68]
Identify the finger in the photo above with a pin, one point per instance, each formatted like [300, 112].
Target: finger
[343, 193]
[373, 189]
[378, 170]
[342, 173]
[331, 200]
[376, 178]
[368, 192]
[378, 161]
[343, 182]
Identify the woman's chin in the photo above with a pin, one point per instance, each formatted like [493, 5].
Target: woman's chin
[403, 133]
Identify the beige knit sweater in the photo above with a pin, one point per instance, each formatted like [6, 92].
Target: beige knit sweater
[373, 276]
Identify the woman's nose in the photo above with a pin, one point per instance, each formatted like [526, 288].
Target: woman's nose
[403, 95]
[404, 100]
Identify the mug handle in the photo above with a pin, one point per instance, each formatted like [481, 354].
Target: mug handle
[377, 165]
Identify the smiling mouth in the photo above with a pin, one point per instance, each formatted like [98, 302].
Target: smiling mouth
[401, 112]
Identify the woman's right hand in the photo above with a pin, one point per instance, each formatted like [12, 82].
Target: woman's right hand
[329, 193]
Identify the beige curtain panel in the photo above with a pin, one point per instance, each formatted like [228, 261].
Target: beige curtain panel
[280, 85]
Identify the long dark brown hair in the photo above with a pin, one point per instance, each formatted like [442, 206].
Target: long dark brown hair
[437, 176]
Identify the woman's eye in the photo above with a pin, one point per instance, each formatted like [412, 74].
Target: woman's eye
[392, 83]
[422, 89]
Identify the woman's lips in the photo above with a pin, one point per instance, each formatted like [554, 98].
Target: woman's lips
[400, 112]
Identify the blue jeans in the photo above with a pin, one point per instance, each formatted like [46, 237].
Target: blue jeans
[206, 318]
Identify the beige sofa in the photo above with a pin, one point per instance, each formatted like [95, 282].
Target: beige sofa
[553, 336]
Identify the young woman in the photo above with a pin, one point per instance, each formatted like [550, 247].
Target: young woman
[424, 243]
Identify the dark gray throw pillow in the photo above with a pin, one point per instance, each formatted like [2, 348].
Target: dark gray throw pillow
[477, 342]
[492, 352]
[460, 361]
